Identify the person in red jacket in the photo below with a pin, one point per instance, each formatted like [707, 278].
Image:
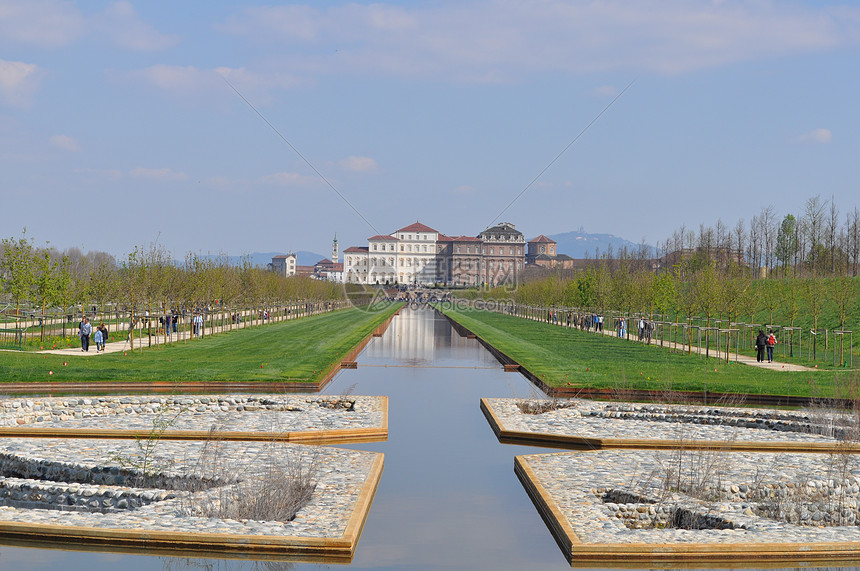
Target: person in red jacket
[771, 342]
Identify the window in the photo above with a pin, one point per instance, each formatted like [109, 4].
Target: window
[458, 249]
[468, 249]
[408, 248]
[492, 251]
[401, 247]
[425, 247]
[374, 247]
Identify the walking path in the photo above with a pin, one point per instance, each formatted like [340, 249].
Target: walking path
[143, 341]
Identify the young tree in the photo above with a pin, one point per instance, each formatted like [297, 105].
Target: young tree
[844, 292]
[16, 268]
[791, 296]
[814, 292]
[45, 283]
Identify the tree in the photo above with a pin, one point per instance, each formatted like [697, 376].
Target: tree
[16, 268]
[786, 242]
[45, 283]
[813, 226]
[791, 297]
[814, 292]
[843, 293]
[733, 294]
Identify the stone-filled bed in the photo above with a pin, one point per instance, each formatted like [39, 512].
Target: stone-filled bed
[314, 418]
[678, 505]
[579, 423]
[183, 495]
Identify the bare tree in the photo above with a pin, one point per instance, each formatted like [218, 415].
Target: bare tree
[813, 226]
[767, 234]
[832, 227]
[852, 246]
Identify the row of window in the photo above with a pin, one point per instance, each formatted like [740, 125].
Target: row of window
[423, 248]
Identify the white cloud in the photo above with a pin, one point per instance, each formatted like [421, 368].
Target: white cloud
[816, 136]
[56, 23]
[499, 40]
[287, 179]
[465, 189]
[121, 24]
[109, 175]
[358, 164]
[42, 23]
[65, 142]
[607, 91]
[163, 175]
[190, 81]
[18, 81]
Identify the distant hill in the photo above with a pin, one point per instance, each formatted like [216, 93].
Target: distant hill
[581, 244]
[304, 258]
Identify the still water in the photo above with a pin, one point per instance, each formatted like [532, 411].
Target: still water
[448, 497]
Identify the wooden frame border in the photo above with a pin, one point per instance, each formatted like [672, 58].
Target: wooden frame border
[673, 554]
[570, 442]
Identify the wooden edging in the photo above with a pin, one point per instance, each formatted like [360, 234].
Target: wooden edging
[571, 442]
[336, 550]
[580, 553]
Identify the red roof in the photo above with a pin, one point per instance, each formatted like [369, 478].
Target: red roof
[542, 240]
[283, 256]
[417, 227]
[466, 239]
[356, 250]
[379, 237]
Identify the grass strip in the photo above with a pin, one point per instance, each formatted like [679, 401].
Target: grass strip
[563, 357]
[299, 350]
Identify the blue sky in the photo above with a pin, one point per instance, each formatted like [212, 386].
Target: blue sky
[117, 127]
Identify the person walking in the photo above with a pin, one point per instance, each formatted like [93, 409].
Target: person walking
[760, 344]
[104, 333]
[97, 339]
[771, 343]
[84, 333]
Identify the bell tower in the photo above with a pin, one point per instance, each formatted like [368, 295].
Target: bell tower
[334, 250]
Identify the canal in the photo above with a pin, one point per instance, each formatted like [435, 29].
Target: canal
[448, 498]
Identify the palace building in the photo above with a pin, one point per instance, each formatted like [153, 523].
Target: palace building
[418, 254]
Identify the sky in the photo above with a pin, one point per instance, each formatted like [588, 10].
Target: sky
[239, 127]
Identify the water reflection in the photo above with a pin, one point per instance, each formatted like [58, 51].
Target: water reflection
[448, 497]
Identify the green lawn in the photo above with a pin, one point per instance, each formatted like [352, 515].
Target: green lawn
[296, 351]
[558, 356]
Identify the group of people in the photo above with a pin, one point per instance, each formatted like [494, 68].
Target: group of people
[764, 343]
[99, 336]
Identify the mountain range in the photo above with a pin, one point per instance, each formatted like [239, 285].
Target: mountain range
[261, 259]
[582, 244]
